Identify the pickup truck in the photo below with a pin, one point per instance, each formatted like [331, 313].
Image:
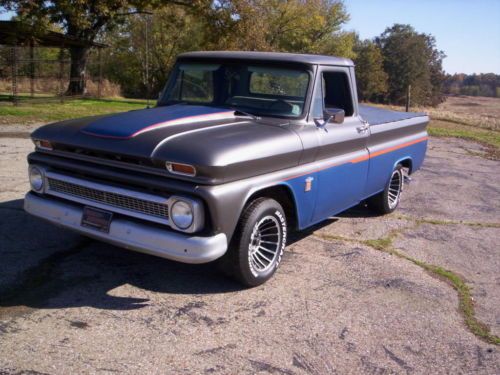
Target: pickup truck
[241, 149]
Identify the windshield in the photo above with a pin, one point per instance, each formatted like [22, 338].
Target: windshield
[256, 89]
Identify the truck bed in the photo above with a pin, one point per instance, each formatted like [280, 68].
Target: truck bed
[377, 116]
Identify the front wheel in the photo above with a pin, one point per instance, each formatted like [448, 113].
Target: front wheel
[388, 200]
[258, 244]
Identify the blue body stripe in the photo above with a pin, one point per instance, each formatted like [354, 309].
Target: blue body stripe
[338, 188]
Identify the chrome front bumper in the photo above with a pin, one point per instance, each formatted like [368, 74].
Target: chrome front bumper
[129, 234]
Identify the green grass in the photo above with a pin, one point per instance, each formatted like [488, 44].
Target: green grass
[27, 113]
[440, 128]
[423, 220]
[466, 303]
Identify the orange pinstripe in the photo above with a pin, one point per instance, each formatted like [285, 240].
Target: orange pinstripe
[364, 157]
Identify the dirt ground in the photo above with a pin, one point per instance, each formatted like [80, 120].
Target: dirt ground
[340, 304]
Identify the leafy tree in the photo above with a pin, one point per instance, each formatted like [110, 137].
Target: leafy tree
[172, 30]
[303, 26]
[272, 25]
[412, 59]
[370, 75]
[84, 20]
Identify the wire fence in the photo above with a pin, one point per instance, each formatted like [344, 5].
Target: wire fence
[33, 73]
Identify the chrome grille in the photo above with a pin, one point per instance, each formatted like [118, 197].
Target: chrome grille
[108, 198]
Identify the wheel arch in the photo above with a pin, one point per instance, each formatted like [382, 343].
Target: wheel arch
[406, 162]
[283, 194]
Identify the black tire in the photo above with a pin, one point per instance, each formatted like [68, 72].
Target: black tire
[246, 254]
[384, 202]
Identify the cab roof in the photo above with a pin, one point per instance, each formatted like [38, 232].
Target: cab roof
[270, 56]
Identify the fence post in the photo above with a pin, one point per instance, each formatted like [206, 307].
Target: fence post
[61, 73]
[32, 68]
[99, 83]
[14, 75]
[408, 98]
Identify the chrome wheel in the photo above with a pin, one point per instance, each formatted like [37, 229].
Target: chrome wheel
[394, 192]
[265, 242]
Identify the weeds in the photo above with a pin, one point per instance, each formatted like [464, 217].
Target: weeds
[466, 303]
[421, 220]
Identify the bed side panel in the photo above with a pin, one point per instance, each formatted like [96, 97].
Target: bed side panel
[392, 143]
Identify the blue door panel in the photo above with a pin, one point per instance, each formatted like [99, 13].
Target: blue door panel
[340, 187]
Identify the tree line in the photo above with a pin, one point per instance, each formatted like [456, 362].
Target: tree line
[386, 66]
[473, 84]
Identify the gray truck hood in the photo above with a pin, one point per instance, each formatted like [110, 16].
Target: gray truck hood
[222, 146]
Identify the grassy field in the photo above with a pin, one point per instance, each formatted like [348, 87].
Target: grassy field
[479, 112]
[29, 113]
[467, 117]
[469, 110]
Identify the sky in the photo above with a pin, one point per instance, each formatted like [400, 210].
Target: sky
[468, 31]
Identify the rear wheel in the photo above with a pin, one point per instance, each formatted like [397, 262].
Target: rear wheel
[388, 200]
[258, 244]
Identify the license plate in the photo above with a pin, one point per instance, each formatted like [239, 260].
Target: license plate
[96, 219]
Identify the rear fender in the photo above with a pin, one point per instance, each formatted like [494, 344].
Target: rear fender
[406, 161]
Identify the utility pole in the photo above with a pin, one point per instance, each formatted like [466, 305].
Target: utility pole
[148, 91]
[148, 84]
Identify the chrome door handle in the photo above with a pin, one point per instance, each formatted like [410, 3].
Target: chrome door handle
[362, 129]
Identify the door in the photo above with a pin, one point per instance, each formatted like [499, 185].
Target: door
[342, 154]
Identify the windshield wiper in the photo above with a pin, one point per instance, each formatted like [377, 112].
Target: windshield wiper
[236, 111]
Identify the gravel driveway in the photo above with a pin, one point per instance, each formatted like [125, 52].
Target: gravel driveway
[351, 296]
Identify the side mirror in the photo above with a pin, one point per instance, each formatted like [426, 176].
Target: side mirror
[333, 115]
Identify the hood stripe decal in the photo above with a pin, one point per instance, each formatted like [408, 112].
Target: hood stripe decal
[159, 145]
[223, 115]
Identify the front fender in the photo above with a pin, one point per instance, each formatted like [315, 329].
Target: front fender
[226, 202]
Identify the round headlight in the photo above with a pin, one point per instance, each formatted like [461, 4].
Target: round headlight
[182, 214]
[36, 179]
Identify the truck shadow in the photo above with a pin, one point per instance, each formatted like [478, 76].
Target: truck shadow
[44, 266]
[359, 211]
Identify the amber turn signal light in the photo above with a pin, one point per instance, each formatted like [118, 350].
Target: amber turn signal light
[43, 145]
[181, 169]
